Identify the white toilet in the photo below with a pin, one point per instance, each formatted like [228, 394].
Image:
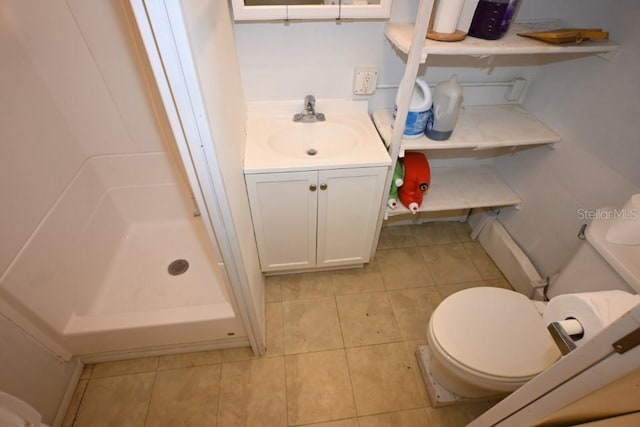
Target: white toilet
[486, 342]
[17, 413]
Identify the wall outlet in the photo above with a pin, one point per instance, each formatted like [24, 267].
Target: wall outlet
[365, 80]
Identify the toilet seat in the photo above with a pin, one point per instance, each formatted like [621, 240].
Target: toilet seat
[491, 337]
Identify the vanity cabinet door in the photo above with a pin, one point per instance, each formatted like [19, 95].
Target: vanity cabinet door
[283, 209]
[348, 205]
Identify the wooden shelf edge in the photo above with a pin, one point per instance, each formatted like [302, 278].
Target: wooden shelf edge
[454, 188]
[400, 34]
[474, 124]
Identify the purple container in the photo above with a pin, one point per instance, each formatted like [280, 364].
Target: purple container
[492, 18]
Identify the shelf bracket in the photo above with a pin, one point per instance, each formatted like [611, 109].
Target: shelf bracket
[608, 56]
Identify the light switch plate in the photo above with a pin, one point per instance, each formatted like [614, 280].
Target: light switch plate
[365, 80]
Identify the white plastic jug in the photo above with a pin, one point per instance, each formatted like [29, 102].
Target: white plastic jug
[447, 98]
[419, 111]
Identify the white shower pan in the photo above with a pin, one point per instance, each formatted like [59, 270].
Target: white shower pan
[94, 275]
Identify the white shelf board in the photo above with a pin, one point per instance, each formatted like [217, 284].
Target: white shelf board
[463, 188]
[478, 128]
[511, 44]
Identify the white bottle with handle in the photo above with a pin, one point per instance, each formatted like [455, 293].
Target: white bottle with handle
[419, 111]
[447, 98]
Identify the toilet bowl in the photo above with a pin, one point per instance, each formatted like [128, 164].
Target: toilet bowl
[488, 341]
[485, 342]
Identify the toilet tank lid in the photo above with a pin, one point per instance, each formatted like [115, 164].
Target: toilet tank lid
[624, 259]
[494, 332]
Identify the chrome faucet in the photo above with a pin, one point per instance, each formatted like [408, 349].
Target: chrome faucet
[309, 114]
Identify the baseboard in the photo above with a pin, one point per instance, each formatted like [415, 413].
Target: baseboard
[161, 351]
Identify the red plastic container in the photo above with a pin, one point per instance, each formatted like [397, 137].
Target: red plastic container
[417, 178]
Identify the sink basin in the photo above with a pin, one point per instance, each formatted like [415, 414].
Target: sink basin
[275, 143]
[320, 139]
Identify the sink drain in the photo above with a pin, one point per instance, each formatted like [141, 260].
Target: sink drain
[178, 267]
[312, 152]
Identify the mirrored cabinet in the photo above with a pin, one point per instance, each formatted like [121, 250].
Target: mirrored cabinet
[275, 10]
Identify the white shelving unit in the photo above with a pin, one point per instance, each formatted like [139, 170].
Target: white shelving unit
[478, 128]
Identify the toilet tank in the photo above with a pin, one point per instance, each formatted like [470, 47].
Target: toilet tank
[599, 265]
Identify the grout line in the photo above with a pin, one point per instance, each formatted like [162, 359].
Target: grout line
[153, 386]
[219, 396]
[77, 411]
[286, 394]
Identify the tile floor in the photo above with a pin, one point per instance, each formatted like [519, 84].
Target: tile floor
[340, 350]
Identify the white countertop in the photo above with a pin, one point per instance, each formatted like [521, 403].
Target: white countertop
[268, 118]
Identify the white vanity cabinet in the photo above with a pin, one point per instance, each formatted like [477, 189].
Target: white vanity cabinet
[315, 219]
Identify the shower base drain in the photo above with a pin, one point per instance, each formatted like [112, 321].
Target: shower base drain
[178, 267]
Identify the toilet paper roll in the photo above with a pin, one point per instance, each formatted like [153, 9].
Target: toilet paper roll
[625, 226]
[446, 16]
[594, 310]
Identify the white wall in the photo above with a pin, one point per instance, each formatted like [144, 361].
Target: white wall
[593, 104]
[281, 62]
[72, 86]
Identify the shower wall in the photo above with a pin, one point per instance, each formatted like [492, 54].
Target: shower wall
[72, 85]
[72, 88]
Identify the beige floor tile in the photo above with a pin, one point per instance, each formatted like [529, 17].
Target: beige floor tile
[76, 399]
[399, 236]
[116, 401]
[357, 280]
[463, 231]
[435, 233]
[413, 308]
[449, 264]
[411, 418]
[411, 347]
[457, 415]
[187, 360]
[483, 263]
[448, 290]
[275, 329]
[311, 325]
[382, 379]
[367, 319]
[252, 393]
[499, 283]
[185, 397]
[272, 289]
[318, 388]
[124, 367]
[305, 286]
[237, 354]
[403, 268]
